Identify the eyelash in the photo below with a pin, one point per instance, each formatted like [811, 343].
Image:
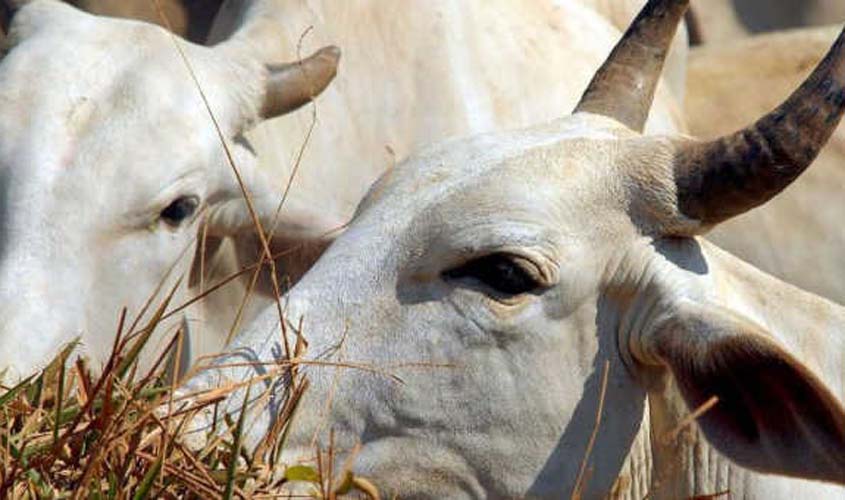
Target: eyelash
[499, 271]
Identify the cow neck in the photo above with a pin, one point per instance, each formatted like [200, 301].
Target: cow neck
[684, 464]
[634, 480]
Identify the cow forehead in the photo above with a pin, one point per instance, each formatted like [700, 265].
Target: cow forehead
[90, 102]
[575, 154]
[533, 189]
[75, 70]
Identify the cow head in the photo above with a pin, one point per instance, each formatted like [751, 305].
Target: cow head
[110, 167]
[497, 275]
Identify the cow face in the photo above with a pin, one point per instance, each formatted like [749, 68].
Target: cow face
[488, 260]
[109, 162]
[498, 276]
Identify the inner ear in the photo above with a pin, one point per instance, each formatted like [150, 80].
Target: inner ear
[294, 257]
[205, 258]
[773, 414]
[298, 233]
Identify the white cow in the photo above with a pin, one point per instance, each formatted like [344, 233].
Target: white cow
[416, 73]
[108, 161]
[521, 262]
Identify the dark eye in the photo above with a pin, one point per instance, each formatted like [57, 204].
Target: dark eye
[501, 272]
[180, 210]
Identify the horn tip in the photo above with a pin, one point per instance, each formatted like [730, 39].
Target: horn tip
[331, 53]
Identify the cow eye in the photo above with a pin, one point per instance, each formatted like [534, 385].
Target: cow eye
[503, 273]
[180, 210]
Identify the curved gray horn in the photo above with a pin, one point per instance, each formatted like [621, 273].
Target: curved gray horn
[292, 85]
[720, 179]
[623, 88]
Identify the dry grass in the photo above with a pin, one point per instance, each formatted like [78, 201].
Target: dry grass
[66, 433]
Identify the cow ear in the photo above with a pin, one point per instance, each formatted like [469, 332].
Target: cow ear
[298, 233]
[292, 220]
[773, 415]
[291, 216]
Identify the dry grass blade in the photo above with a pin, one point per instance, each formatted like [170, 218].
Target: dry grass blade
[259, 229]
[236, 448]
[581, 480]
[689, 419]
[274, 440]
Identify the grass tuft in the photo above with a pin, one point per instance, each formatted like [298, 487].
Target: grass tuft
[67, 433]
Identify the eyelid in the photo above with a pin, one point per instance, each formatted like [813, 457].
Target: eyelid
[189, 184]
[527, 265]
[535, 261]
[196, 209]
[502, 274]
[542, 263]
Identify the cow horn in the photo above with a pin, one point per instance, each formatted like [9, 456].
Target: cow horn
[292, 85]
[623, 88]
[723, 178]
